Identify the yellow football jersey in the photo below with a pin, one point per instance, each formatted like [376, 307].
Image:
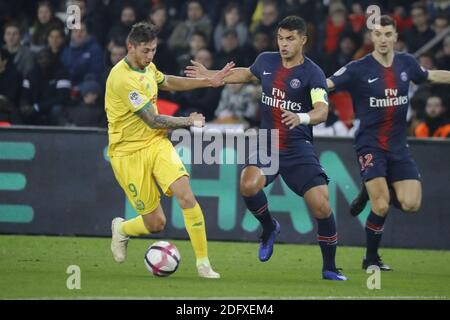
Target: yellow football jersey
[129, 91]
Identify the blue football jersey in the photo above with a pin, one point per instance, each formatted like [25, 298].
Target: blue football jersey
[290, 89]
[380, 98]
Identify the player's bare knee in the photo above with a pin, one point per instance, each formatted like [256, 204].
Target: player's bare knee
[323, 210]
[410, 206]
[380, 206]
[249, 188]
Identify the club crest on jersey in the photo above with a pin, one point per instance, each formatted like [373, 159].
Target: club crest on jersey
[404, 76]
[135, 99]
[295, 83]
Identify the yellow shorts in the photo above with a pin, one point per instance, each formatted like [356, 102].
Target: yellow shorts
[139, 172]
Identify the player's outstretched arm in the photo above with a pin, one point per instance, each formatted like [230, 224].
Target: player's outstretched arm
[174, 83]
[439, 76]
[236, 75]
[158, 121]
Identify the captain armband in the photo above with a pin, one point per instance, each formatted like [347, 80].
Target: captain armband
[319, 95]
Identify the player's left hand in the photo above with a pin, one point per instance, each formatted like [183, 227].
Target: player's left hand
[289, 118]
[196, 70]
[197, 120]
[218, 79]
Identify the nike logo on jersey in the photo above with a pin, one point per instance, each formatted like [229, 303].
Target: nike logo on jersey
[266, 73]
[372, 80]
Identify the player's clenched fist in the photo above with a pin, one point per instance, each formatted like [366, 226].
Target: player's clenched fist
[196, 120]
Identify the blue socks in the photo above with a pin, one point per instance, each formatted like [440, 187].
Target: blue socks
[258, 205]
[374, 231]
[327, 238]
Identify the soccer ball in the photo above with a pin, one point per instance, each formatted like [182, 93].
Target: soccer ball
[162, 258]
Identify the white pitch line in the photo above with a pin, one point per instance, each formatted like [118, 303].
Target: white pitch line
[240, 298]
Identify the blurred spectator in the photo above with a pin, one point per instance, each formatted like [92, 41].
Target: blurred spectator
[239, 103]
[231, 19]
[310, 10]
[93, 13]
[230, 51]
[88, 113]
[21, 55]
[83, 55]
[330, 23]
[348, 44]
[261, 42]
[335, 25]
[45, 20]
[270, 16]
[164, 59]
[440, 23]
[142, 7]
[198, 41]
[158, 16]
[401, 18]
[400, 45]
[420, 33]
[9, 88]
[127, 19]
[334, 127]
[443, 59]
[357, 17]
[436, 125]
[203, 100]
[56, 39]
[196, 21]
[116, 54]
[46, 91]
[366, 47]
[426, 60]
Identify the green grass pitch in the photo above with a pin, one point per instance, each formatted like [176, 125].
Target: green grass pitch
[35, 267]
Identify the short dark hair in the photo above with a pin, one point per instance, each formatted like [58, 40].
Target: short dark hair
[441, 15]
[142, 32]
[420, 6]
[158, 6]
[386, 20]
[58, 28]
[292, 23]
[13, 24]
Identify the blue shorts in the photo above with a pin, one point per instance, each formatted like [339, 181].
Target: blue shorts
[299, 178]
[393, 166]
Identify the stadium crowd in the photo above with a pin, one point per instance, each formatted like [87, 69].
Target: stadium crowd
[51, 75]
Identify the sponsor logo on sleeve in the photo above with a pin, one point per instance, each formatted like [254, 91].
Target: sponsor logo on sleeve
[135, 99]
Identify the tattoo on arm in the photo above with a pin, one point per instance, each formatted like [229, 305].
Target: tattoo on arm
[157, 121]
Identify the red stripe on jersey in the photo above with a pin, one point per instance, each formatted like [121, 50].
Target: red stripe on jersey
[280, 84]
[385, 130]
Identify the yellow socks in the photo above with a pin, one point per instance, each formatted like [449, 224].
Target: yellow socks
[134, 227]
[195, 226]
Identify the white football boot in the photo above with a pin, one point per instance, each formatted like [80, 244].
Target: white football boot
[119, 242]
[206, 271]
